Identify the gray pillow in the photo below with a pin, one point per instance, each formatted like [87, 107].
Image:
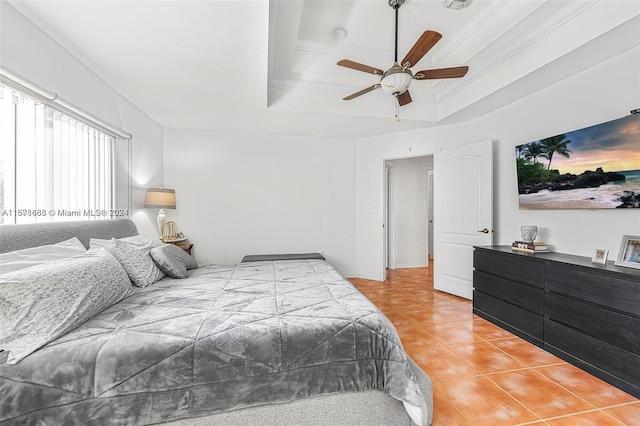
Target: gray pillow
[136, 260]
[173, 261]
[41, 303]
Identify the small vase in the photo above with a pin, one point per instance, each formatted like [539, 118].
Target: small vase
[528, 232]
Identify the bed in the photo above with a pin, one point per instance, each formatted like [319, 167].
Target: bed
[264, 342]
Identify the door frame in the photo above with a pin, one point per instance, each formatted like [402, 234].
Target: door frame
[386, 200]
[430, 206]
[389, 218]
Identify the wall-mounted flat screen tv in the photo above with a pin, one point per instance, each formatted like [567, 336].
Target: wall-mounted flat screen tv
[597, 167]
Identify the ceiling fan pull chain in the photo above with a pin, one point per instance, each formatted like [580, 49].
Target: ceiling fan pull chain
[397, 109]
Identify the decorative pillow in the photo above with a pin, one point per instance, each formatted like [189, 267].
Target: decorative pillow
[172, 260]
[43, 302]
[136, 260]
[108, 244]
[25, 258]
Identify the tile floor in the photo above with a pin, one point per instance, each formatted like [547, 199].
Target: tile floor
[484, 375]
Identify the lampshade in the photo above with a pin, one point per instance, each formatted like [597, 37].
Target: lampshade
[160, 198]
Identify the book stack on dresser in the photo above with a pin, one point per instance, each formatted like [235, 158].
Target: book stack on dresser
[530, 246]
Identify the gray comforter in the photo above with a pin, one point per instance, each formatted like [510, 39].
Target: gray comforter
[224, 338]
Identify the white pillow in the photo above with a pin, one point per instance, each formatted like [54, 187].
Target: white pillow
[41, 303]
[25, 258]
[108, 244]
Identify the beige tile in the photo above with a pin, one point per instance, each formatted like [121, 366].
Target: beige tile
[586, 386]
[525, 352]
[450, 333]
[594, 418]
[539, 394]
[456, 311]
[627, 414]
[484, 329]
[445, 414]
[441, 364]
[485, 357]
[484, 403]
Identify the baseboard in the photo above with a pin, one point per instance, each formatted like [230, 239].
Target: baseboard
[365, 277]
[410, 265]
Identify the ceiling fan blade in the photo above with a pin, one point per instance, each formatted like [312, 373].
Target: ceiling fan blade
[404, 98]
[455, 72]
[361, 92]
[359, 67]
[427, 40]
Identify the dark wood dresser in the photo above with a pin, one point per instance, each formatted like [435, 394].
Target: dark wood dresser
[585, 313]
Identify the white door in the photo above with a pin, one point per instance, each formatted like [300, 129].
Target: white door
[463, 213]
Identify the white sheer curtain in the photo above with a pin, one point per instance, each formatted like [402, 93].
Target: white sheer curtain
[53, 167]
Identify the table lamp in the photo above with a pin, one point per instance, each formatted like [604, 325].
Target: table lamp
[160, 198]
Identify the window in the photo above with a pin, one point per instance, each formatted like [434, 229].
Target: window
[53, 166]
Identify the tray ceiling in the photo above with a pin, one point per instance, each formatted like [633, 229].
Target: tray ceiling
[271, 66]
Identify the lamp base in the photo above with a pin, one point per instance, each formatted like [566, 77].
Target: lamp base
[161, 221]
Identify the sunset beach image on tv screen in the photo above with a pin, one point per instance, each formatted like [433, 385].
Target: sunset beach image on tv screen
[597, 167]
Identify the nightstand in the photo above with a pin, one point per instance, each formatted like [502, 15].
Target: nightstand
[184, 244]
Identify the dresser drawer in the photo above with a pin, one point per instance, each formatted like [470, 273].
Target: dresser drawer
[511, 266]
[522, 295]
[513, 318]
[610, 291]
[610, 326]
[608, 362]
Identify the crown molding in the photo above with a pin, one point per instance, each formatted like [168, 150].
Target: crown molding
[327, 48]
[446, 48]
[563, 15]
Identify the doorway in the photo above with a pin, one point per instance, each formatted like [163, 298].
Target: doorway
[408, 198]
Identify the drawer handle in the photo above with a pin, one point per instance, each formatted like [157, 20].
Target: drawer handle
[484, 231]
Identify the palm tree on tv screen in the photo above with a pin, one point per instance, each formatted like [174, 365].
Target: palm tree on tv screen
[555, 144]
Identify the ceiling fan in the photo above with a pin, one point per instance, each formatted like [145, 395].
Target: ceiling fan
[397, 79]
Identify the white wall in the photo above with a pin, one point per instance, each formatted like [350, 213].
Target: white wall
[605, 92]
[243, 193]
[409, 211]
[602, 93]
[34, 56]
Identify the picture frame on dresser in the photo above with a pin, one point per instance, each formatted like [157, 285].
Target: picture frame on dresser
[629, 253]
[600, 256]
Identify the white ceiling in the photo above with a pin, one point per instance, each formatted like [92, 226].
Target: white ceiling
[270, 66]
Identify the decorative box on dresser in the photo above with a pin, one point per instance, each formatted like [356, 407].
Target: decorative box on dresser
[585, 313]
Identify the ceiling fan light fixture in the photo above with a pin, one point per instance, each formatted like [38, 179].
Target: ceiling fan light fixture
[396, 81]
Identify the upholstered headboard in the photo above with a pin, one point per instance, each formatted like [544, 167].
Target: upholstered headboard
[17, 237]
